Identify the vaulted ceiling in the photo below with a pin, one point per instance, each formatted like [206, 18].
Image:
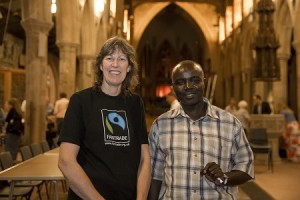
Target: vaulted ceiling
[10, 21]
[219, 4]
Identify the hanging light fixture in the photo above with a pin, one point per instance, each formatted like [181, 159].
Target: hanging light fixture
[266, 67]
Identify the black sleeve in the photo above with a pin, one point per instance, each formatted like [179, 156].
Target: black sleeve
[73, 127]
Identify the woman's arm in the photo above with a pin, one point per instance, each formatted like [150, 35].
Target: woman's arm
[144, 174]
[74, 174]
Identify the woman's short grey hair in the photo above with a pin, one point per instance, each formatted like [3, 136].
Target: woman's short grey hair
[242, 104]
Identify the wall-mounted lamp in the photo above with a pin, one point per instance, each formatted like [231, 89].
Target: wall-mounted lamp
[125, 21]
[127, 24]
[81, 3]
[221, 29]
[53, 7]
[228, 20]
[112, 11]
[128, 30]
[113, 8]
[99, 6]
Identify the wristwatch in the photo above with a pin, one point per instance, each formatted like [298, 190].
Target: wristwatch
[225, 180]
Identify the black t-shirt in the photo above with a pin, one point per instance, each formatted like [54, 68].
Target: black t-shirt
[14, 122]
[109, 131]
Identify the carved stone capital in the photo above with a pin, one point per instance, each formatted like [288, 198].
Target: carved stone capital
[296, 45]
[66, 45]
[36, 26]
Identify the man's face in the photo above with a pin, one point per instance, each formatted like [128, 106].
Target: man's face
[188, 84]
[256, 100]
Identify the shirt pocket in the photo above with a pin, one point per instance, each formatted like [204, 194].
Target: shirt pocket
[216, 149]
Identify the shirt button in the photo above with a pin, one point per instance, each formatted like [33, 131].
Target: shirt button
[195, 172]
[195, 191]
[195, 155]
[195, 138]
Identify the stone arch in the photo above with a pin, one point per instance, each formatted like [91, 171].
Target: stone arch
[144, 13]
[284, 28]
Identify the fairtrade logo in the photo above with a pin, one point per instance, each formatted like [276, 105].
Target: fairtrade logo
[116, 119]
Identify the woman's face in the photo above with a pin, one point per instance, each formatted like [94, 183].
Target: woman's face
[7, 106]
[114, 67]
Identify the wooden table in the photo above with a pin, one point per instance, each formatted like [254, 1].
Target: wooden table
[42, 167]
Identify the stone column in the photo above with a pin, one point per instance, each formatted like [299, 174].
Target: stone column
[85, 75]
[67, 39]
[67, 67]
[37, 26]
[296, 45]
[280, 87]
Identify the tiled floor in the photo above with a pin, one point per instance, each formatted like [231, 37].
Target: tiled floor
[283, 183]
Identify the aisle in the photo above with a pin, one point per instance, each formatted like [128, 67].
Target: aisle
[283, 184]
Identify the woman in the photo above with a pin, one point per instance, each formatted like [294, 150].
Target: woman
[14, 127]
[103, 143]
[291, 136]
[243, 115]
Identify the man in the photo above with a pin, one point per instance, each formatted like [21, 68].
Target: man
[198, 151]
[60, 109]
[172, 100]
[260, 107]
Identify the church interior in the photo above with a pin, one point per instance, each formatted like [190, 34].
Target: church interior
[245, 47]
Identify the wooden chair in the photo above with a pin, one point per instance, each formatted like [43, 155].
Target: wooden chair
[55, 142]
[23, 192]
[7, 162]
[45, 146]
[259, 143]
[26, 152]
[36, 149]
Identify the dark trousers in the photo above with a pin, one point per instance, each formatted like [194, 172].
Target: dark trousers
[59, 122]
[12, 144]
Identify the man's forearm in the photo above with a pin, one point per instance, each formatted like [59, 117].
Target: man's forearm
[154, 189]
[236, 177]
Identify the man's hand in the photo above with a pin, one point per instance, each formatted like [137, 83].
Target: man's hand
[213, 173]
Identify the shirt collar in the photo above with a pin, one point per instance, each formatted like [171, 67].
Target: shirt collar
[209, 112]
